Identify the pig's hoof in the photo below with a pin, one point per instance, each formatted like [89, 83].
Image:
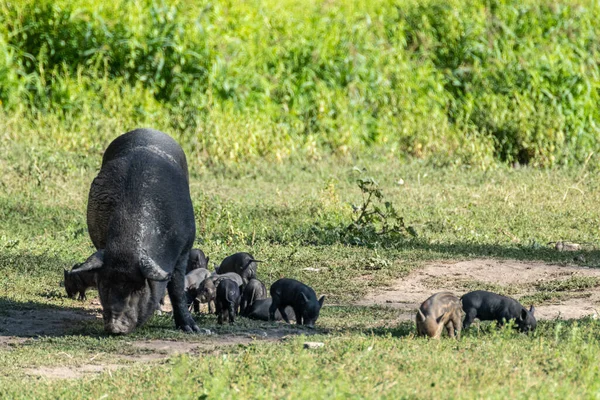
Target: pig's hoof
[186, 329]
[191, 328]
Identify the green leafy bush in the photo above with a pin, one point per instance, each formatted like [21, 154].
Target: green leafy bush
[451, 81]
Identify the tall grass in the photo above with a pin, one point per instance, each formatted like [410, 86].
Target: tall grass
[474, 81]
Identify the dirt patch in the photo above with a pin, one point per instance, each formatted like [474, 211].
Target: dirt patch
[8, 341]
[20, 325]
[150, 351]
[70, 372]
[159, 349]
[516, 278]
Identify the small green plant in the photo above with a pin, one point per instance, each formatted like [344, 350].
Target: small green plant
[376, 217]
[374, 222]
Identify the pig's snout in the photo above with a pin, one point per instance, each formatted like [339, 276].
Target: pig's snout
[117, 327]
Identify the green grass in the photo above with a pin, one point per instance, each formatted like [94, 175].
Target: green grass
[556, 290]
[279, 106]
[560, 360]
[572, 283]
[542, 297]
[467, 285]
[272, 211]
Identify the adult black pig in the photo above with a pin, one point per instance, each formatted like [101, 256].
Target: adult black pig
[141, 220]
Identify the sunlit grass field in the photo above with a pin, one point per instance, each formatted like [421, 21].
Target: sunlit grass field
[478, 121]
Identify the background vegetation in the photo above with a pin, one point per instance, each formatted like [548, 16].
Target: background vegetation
[454, 82]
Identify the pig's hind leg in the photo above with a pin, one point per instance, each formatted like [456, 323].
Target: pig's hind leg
[284, 314]
[274, 307]
[457, 325]
[232, 312]
[219, 312]
[299, 319]
[450, 328]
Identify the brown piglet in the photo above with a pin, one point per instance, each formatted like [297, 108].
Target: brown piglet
[440, 310]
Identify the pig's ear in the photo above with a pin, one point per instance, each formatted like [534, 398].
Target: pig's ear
[95, 261]
[304, 298]
[531, 310]
[151, 270]
[421, 315]
[523, 314]
[321, 300]
[440, 318]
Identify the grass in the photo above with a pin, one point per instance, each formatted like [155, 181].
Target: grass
[272, 211]
[557, 290]
[573, 283]
[280, 107]
[387, 364]
[542, 297]
[467, 285]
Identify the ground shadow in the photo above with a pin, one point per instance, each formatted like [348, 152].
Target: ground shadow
[530, 251]
[32, 319]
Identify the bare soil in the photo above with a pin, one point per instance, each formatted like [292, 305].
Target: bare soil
[149, 351]
[518, 278]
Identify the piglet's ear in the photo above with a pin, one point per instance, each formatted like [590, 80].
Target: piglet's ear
[531, 310]
[523, 314]
[95, 261]
[440, 318]
[304, 299]
[321, 300]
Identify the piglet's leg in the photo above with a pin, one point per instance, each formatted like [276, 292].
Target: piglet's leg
[457, 325]
[284, 314]
[450, 328]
